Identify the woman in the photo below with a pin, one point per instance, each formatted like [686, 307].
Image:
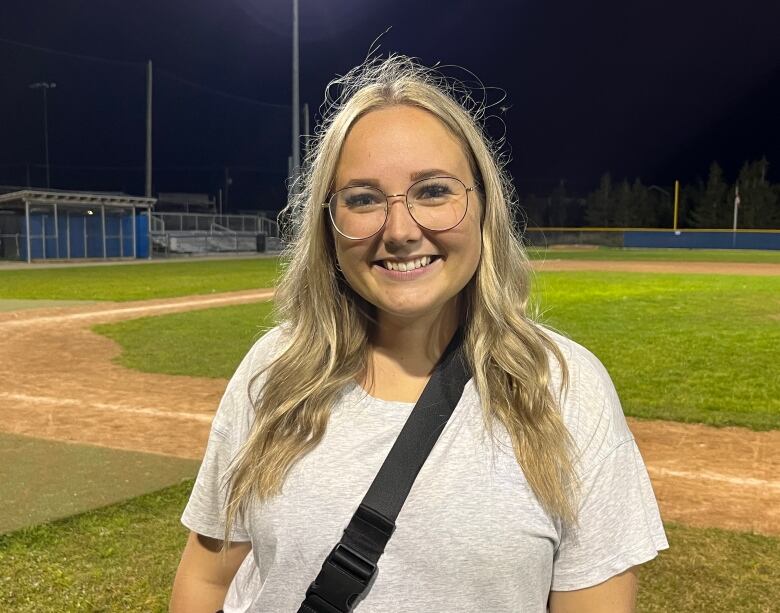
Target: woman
[535, 494]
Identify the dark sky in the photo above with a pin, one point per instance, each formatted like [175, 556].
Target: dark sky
[655, 90]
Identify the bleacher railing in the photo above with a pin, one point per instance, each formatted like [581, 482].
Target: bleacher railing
[195, 222]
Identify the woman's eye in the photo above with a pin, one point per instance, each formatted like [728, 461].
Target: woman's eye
[433, 191]
[358, 200]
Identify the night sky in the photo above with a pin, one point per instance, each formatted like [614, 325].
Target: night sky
[655, 90]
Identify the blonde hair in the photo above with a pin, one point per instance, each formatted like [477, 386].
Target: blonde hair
[327, 324]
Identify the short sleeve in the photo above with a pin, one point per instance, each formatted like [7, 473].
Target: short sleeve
[618, 523]
[205, 510]
[618, 527]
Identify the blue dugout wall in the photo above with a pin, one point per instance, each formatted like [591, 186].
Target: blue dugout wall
[80, 236]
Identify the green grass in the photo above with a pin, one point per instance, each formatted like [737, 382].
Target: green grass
[207, 343]
[686, 348]
[41, 480]
[138, 281]
[119, 558]
[657, 255]
[124, 557]
[712, 571]
[168, 279]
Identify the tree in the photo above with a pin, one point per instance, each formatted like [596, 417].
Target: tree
[758, 200]
[644, 211]
[623, 205]
[712, 208]
[599, 205]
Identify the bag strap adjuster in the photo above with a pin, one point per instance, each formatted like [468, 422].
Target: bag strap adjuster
[344, 577]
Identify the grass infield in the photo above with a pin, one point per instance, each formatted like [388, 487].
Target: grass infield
[693, 348]
[206, 343]
[124, 557]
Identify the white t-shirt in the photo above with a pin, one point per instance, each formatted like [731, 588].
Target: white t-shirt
[471, 536]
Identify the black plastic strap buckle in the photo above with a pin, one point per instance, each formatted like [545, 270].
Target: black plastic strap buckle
[345, 575]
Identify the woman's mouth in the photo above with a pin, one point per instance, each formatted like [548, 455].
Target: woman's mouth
[408, 265]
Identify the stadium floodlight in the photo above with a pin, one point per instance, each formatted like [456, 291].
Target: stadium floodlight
[45, 86]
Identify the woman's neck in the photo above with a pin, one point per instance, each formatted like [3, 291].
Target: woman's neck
[414, 346]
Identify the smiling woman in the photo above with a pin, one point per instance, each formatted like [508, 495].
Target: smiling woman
[391, 145]
[404, 260]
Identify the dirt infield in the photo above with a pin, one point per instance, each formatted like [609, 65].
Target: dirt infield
[58, 381]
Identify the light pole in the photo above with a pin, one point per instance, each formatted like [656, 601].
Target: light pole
[675, 201]
[296, 111]
[45, 87]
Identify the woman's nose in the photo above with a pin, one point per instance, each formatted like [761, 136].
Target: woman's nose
[400, 226]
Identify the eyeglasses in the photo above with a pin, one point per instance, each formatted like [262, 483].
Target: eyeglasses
[436, 204]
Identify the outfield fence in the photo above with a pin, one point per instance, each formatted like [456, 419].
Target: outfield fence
[649, 238]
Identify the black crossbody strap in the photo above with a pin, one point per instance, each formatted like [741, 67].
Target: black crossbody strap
[350, 568]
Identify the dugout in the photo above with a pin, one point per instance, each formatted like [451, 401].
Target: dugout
[68, 225]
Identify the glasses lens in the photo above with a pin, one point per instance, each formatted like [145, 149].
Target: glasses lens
[358, 212]
[439, 203]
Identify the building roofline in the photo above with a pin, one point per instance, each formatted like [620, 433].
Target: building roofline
[37, 196]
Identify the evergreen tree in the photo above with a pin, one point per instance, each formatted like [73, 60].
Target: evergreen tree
[558, 206]
[644, 213]
[623, 200]
[774, 216]
[599, 206]
[535, 208]
[713, 206]
[758, 200]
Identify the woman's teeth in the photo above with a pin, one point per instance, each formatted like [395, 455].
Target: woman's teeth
[407, 266]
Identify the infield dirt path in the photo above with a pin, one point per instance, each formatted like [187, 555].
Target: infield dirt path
[58, 381]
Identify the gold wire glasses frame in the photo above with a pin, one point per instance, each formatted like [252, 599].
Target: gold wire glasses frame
[439, 198]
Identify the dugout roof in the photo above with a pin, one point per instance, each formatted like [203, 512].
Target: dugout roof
[73, 199]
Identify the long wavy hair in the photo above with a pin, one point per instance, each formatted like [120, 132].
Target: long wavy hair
[327, 325]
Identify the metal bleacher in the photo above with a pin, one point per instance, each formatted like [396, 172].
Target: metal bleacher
[202, 234]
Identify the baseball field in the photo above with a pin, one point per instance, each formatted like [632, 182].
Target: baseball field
[109, 376]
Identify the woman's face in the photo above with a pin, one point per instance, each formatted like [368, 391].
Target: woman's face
[391, 148]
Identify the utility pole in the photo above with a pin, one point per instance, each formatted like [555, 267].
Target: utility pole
[45, 87]
[306, 134]
[296, 129]
[148, 173]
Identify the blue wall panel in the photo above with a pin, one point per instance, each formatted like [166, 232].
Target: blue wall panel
[78, 248]
[113, 245]
[142, 235]
[119, 236]
[94, 236]
[127, 235]
[702, 240]
[62, 233]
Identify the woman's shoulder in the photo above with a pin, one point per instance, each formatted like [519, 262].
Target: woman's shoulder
[236, 405]
[590, 405]
[263, 352]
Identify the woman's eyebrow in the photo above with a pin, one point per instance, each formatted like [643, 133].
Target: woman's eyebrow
[361, 183]
[430, 172]
[415, 176]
